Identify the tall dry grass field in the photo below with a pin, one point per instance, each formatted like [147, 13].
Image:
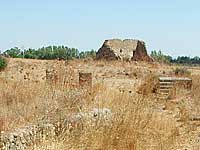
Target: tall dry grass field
[137, 123]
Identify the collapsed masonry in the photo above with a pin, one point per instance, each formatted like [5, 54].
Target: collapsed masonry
[129, 49]
[22, 138]
[168, 86]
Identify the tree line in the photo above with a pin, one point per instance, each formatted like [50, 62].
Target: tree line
[185, 60]
[49, 52]
[66, 53]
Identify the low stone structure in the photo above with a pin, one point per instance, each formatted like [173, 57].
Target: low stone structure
[168, 85]
[22, 138]
[129, 49]
[179, 81]
[91, 118]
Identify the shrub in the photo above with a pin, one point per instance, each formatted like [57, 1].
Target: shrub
[160, 57]
[150, 85]
[3, 63]
[182, 72]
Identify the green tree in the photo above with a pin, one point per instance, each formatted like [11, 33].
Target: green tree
[13, 52]
[3, 63]
[160, 57]
[30, 53]
[91, 53]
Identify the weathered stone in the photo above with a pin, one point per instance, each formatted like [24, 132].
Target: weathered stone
[169, 85]
[129, 49]
[21, 138]
[92, 118]
[179, 81]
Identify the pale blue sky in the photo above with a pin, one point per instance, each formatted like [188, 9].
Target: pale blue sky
[170, 25]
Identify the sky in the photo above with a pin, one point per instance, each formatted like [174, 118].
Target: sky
[172, 26]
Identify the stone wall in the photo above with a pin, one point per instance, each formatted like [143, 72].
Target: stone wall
[186, 84]
[126, 50]
[22, 138]
[140, 54]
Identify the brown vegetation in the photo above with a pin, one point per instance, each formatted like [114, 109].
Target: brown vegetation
[140, 121]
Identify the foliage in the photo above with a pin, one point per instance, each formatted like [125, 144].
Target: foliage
[3, 63]
[185, 60]
[160, 57]
[49, 52]
[13, 52]
[182, 72]
[66, 53]
[86, 54]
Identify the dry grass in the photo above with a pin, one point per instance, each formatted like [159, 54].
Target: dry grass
[136, 124]
[195, 95]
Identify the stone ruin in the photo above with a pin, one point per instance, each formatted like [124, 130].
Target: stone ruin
[22, 138]
[129, 49]
[168, 86]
